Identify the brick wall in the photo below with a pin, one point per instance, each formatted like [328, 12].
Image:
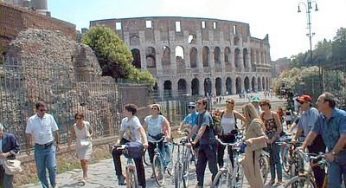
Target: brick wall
[15, 19]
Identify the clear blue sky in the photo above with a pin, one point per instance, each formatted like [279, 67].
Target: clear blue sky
[279, 18]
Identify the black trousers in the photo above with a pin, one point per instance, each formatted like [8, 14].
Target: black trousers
[316, 147]
[206, 153]
[151, 149]
[221, 149]
[138, 162]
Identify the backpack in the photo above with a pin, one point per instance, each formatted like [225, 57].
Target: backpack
[218, 130]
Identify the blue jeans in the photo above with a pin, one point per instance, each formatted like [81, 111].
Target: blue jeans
[6, 181]
[274, 161]
[335, 174]
[45, 158]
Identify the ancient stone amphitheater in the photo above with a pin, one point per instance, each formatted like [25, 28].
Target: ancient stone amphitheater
[196, 56]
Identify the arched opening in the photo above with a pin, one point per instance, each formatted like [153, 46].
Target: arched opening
[150, 56]
[267, 83]
[245, 60]
[156, 89]
[259, 84]
[181, 87]
[227, 55]
[236, 41]
[236, 58]
[229, 86]
[217, 53]
[253, 84]
[205, 56]
[179, 55]
[263, 84]
[166, 56]
[136, 54]
[192, 39]
[218, 85]
[207, 87]
[167, 88]
[193, 57]
[247, 84]
[238, 85]
[195, 86]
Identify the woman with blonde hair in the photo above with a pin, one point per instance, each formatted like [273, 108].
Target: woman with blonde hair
[255, 140]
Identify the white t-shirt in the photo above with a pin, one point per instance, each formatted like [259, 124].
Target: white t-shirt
[41, 128]
[131, 127]
[155, 125]
[228, 124]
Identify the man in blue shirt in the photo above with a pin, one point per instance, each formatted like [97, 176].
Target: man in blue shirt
[190, 121]
[306, 122]
[331, 124]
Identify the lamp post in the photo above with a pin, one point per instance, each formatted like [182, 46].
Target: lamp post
[309, 8]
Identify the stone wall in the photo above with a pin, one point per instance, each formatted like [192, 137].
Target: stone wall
[14, 19]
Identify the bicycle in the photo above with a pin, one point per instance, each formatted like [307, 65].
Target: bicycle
[159, 165]
[292, 162]
[229, 176]
[306, 179]
[181, 169]
[264, 165]
[131, 172]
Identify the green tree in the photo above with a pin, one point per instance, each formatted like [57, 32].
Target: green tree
[114, 57]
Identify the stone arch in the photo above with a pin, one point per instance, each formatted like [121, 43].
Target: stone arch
[192, 39]
[263, 83]
[236, 41]
[167, 88]
[205, 56]
[229, 86]
[253, 84]
[238, 85]
[156, 89]
[193, 57]
[195, 86]
[247, 84]
[150, 56]
[181, 87]
[179, 55]
[207, 87]
[227, 54]
[236, 58]
[259, 84]
[136, 54]
[217, 54]
[166, 56]
[218, 86]
[245, 60]
[267, 83]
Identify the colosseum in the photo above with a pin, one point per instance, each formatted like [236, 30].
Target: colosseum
[196, 56]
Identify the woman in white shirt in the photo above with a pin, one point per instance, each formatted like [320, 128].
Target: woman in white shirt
[157, 126]
[229, 130]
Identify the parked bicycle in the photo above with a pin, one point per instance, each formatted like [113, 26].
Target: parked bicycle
[306, 179]
[230, 176]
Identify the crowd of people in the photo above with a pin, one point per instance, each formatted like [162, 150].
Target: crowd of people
[321, 129]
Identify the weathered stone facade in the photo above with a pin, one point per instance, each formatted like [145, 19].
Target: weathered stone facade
[196, 56]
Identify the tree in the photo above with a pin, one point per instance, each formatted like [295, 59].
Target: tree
[114, 56]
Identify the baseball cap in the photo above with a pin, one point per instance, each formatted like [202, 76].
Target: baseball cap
[304, 98]
[255, 99]
[191, 104]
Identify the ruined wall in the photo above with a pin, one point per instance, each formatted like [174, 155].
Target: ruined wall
[14, 19]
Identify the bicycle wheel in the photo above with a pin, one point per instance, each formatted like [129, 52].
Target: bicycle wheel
[177, 175]
[300, 182]
[264, 167]
[170, 165]
[223, 179]
[158, 170]
[238, 175]
[285, 159]
[132, 179]
[185, 172]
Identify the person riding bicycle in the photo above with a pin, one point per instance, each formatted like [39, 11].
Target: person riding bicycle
[331, 124]
[158, 126]
[131, 130]
[190, 121]
[307, 120]
[229, 130]
[207, 143]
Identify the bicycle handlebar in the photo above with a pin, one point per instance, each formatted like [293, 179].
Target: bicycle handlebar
[237, 143]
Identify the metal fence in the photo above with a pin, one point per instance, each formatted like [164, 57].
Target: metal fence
[66, 92]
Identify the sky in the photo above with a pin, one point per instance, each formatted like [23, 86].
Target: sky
[286, 27]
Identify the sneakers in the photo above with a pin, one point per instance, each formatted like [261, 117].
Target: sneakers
[121, 180]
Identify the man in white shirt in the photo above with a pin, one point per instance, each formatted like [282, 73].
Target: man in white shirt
[42, 130]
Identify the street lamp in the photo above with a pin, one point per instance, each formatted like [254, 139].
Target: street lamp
[309, 8]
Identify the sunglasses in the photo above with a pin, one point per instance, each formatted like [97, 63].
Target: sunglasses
[43, 110]
[154, 108]
[78, 118]
[263, 104]
[229, 102]
[191, 107]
